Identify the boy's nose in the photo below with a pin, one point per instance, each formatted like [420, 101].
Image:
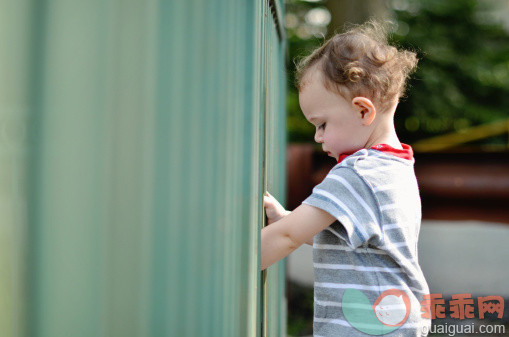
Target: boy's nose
[318, 137]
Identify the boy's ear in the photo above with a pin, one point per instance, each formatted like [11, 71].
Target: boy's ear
[365, 108]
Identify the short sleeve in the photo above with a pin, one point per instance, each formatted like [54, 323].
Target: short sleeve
[347, 197]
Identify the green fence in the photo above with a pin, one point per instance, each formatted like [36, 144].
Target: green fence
[136, 141]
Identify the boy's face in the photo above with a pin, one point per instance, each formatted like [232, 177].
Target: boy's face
[338, 123]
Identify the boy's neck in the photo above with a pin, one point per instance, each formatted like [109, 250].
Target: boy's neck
[391, 140]
[384, 132]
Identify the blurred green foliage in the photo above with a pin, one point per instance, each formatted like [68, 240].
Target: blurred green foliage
[301, 43]
[463, 74]
[300, 317]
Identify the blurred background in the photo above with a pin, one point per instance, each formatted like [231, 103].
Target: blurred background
[455, 114]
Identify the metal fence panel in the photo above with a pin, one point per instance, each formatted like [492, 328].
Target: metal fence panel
[141, 135]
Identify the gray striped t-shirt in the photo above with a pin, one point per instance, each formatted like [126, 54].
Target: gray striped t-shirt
[371, 248]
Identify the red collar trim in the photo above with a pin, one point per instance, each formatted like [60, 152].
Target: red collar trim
[406, 153]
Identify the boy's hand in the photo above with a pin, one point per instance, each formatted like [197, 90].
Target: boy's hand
[273, 208]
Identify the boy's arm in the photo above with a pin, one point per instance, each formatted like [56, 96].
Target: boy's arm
[284, 236]
[275, 211]
[310, 240]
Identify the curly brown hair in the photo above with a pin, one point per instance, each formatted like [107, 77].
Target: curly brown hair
[360, 62]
